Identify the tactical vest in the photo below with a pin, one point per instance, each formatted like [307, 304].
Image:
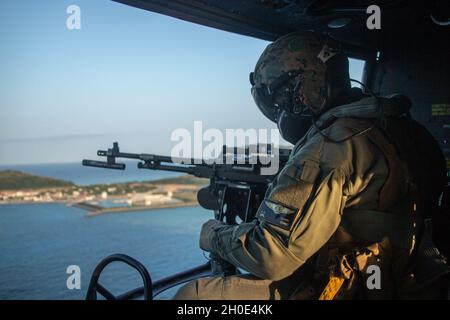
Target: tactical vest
[402, 142]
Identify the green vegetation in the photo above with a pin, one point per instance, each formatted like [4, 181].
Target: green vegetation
[119, 189]
[16, 180]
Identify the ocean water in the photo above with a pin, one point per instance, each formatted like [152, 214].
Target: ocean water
[38, 242]
[82, 175]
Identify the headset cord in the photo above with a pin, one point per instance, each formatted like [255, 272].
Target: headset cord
[379, 119]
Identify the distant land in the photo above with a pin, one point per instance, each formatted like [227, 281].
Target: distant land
[17, 188]
[16, 180]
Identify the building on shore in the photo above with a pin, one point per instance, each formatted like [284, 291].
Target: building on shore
[146, 199]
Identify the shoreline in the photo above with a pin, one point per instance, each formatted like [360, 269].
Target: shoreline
[33, 202]
[94, 210]
[98, 210]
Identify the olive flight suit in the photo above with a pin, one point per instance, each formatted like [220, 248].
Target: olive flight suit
[341, 203]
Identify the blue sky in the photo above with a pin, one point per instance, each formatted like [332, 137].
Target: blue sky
[128, 75]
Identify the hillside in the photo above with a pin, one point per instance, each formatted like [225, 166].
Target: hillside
[16, 180]
[184, 179]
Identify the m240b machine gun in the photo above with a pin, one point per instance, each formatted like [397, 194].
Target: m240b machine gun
[237, 185]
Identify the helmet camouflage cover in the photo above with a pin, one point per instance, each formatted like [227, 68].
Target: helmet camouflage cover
[291, 74]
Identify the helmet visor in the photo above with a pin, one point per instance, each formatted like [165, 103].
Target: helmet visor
[271, 100]
[264, 103]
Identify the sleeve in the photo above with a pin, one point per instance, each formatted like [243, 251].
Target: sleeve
[298, 216]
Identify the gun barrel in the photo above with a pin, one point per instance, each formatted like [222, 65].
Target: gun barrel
[105, 165]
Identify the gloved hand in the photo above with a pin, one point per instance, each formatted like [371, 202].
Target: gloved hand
[207, 232]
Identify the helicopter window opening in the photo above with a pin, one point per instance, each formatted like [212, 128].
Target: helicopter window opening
[356, 68]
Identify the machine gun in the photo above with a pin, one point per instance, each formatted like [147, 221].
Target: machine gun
[237, 185]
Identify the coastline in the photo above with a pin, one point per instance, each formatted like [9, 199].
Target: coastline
[33, 202]
[95, 210]
[96, 199]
